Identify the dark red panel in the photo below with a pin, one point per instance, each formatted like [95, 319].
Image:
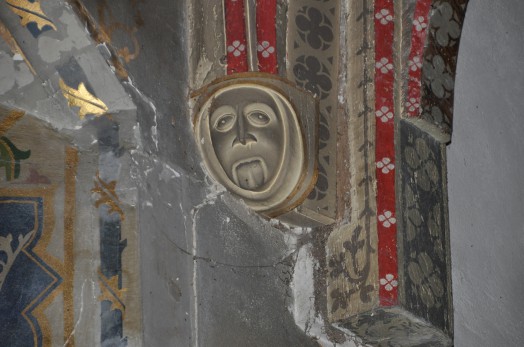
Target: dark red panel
[385, 152]
[267, 36]
[236, 36]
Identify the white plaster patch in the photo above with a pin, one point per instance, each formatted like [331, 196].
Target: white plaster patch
[303, 289]
[136, 135]
[50, 48]
[203, 70]
[154, 127]
[303, 307]
[168, 173]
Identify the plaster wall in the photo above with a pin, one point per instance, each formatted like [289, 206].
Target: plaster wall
[486, 185]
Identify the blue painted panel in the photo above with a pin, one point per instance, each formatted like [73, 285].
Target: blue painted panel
[29, 280]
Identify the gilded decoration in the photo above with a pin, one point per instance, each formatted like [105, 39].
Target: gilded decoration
[31, 15]
[108, 196]
[83, 99]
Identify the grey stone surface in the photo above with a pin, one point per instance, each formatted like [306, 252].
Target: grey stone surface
[14, 72]
[213, 274]
[243, 280]
[485, 177]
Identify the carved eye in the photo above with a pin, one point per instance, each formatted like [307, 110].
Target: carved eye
[225, 122]
[258, 118]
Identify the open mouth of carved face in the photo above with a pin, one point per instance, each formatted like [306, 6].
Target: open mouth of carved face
[250, 174]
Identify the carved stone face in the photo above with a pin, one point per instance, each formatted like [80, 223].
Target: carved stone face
[248, 131]
[251, 142]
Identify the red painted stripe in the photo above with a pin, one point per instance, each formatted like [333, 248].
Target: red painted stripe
[235, 36]
[267, 36]
[385, 152]
[418, 38]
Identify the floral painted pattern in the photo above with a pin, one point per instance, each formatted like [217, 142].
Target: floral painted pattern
[389, 282]
[438, 77]
[315, 28]
[424, 249]
[426, 279]
[447, 29]
[313, 76]
[435, 36]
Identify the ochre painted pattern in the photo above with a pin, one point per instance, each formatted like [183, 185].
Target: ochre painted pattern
[385, 151]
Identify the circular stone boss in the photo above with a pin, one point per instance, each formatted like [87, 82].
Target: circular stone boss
[251, 142]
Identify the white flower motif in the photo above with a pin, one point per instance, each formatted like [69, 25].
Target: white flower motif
[236, 48]
[389, 282]
[384, 65]
[420, 23]
[412, 104]
[387, 219]
[386, 165]
[384, 114]
[415, 64]
[265, 48]
[384, 16]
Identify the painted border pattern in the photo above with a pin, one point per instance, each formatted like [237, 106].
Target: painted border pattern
[267, 36]
[385, 151]
[352, 284]
[236, 40]
[313, 53]
[419, 32]
[111, 216]
[435, 38]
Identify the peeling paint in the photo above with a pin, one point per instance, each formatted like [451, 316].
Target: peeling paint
[50, 49]
[303, 305]
[148, 101]
[13, 73]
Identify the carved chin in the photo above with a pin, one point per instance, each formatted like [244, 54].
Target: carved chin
[250, 174]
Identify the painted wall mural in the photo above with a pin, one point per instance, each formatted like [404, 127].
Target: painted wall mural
[413, 246]
[325, 118]
[65, 279]
[37, 275]
[45, 261]
[29, 282]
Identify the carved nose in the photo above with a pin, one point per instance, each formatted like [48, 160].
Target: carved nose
[243, 136]
[241, 132]
[248, 138]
